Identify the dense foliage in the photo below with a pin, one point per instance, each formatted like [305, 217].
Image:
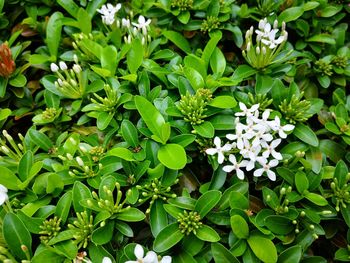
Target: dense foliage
[174, 131]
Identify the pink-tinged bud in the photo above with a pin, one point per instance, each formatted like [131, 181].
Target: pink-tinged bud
[7, 65]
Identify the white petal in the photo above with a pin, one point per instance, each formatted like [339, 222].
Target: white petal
[266, 154]
[240, 174]
[138, 251]
[242, 106]
[217, 142]
[267, 137]
[231, 136]
[3, 188]
[211, 151]
[150, 257]
[271, 175]
[232, 159]
[288, 127]
[282, 134]
[3, 198]
[277, 155]
[258, 172]
[267, 27]
[261, 160]
[254, 107]
[106, 260]
[221, 157]
[228, 168]
[275, 143]
[166, 259]
[273, 163]
[266, 114]
[226, 148]
[132, 261]
[250, 166]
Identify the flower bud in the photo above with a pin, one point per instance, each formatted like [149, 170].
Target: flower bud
[63, 65]
[54, 67]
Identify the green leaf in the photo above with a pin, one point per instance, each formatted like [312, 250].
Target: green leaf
[223, 102]
[131, 214]
[150, 115]
[243, 72]
[103, 119]
[222, 254]
[63, 206]
[322, 38]
[84, 21]
[178, 40]
[69, 5]
[104, 234]
[40, 139]
[129, 133]
[218, 62]
[53, 33]
[47, 256]
[290, 255]
[206, 233]
[263, 248]
[263, 84]
[316, 199]
[207, 202]
[194, 77]
[19, 81]
[172, 156]
[122, 153]
[279, 225]
[25, 164]
[301, 182]
[329, 10]
[67, 248]
[80, 192]
[124, 228]
[239, 226]
[16, 235]
[305, 134]
[290, 14]
[210, 48]
[341, 173]
[4, 113]
[205, 129]
[9, 179]
[134, 57]
[333, 150]
[158, 217]
[167, 238]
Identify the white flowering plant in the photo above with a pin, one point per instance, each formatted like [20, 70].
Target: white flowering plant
[174, 131]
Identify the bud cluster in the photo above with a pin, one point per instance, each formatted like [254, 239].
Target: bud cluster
[189, 222]
[267, 46]
[83, 227]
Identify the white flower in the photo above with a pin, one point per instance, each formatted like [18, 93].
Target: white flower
[271, 41]
[126, 23]
[270, 149]
[108, 13]
[63, 65]
[54, 67]
[3, 194]
[235, 166]
[219, 149]
[266, 166]
[251, 153]
[106, 260]
[142, 24]
[76, 68]
[166, 259]
[245, 111]
[261, 137]
[276, 126]
[151, 256]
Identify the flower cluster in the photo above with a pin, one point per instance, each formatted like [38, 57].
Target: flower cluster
[151, 256]
[255, 141]
[132, 29]
[69, 82]
[267, 46]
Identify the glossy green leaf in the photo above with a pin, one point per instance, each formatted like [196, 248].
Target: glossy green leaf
[290, 14]
[150, 115]
[135, 56]
[172, 156]
[19, 81]
[290, 255]
[158, 217]
[206, 233]
[16, 235]
[9, 179]
[207, 202]
[129, 133]
[122, 153]
[131, 214]
[316, 199]
[179, 40]
[239, 226]
[194, 77]
[103, 234]
[279, 225]
[222, 254]
[263, 248]
[218, 62]
[53, 33]
[223, 102]
[301, 182]
[205, 129]
[40, 139]
[167, 238]
[80, 192]
[63, 206]
[305, 134]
